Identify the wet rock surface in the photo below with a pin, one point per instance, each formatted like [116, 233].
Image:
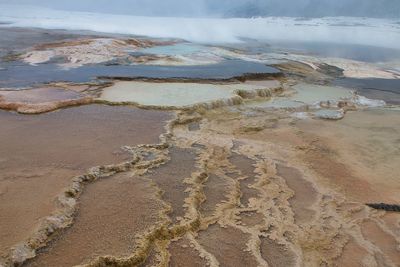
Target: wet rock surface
[113, 212]
[44, 99]
[49, 150]
[251, 176]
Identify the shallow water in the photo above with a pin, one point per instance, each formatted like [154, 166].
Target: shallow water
[384, 89]
[40, 95]
[305, 95]
[42, 153]
[113, 212]
[311, 94]
[20, 75]
[368, 141]
[171, 94]
[365, 53]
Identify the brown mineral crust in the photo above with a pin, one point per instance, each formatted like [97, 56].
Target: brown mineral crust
[184, 254]
[356, 155]
[79, 52]
[386, 242]
[140, 43]
[170, 179]
[304, 193]
[251, 218]
[215, 191]
[228, 245]
[277, 255]
[41, 100]
[353, 255]
[144, 43]
[247, 170]
[48, 150]
[63, 44]
[289, 192]
[113, 213]
[24, 108]
[310, 207]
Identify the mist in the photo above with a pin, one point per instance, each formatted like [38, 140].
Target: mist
[227, 8]
[205, 21]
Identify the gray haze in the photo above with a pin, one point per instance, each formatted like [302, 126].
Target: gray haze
[228, 8]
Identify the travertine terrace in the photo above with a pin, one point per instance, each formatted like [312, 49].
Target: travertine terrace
[260, 169]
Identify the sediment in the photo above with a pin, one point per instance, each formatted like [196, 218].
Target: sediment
[228, 184]
[234, 184]
[238, 196]
[65, 204]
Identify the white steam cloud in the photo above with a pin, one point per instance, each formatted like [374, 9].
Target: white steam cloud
[375, 32]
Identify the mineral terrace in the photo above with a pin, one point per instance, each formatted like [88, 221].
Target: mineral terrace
[281, 168]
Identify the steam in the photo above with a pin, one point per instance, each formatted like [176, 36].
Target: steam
[125, 7]
[375, 32]
[224, 8]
